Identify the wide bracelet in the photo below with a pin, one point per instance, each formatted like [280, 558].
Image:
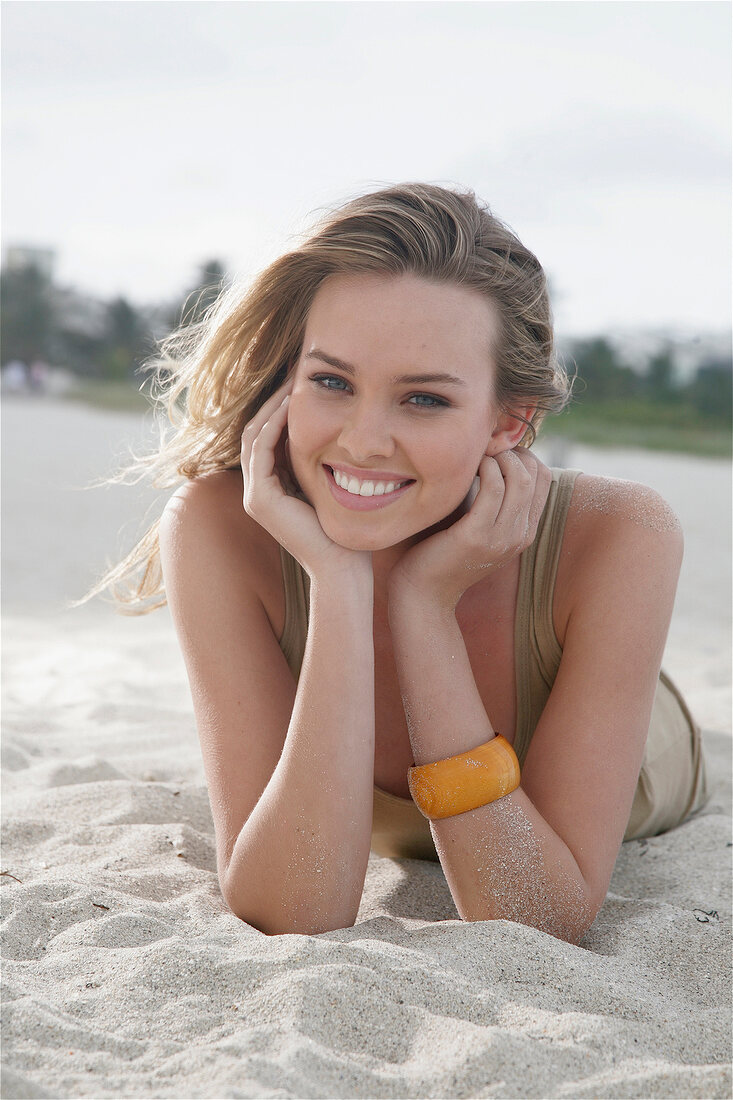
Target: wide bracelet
[466, 781]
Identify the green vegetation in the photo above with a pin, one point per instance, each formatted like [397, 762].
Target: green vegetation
[95, 340]
[637, 426]
[615, 406]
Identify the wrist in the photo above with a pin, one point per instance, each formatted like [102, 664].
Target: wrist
[347, 587]
[343, 571]
[426, 606]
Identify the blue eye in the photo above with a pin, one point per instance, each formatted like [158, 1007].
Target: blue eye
[335, 384]
[325, 380]
[435, 402]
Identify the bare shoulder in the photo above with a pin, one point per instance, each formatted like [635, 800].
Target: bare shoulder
[618, 535]
[625, 502]
[206, 506]
[205, 533]
[209, 509]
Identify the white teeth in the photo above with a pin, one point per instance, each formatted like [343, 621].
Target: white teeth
[365, 488]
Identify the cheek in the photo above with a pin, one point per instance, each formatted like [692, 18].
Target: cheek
[303, 425]
[454, 466]
[309, 431]
[456, 460]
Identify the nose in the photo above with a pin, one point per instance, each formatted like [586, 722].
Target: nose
[366, 434]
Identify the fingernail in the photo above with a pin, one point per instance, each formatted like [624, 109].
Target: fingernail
[286, 398]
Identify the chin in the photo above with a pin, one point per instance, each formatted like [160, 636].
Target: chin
[357, 537]
[357, 540]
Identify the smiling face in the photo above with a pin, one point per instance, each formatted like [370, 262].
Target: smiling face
[392, 407]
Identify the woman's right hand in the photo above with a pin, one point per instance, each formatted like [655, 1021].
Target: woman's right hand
[292, 521]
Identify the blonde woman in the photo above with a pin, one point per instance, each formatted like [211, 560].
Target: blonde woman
[402, 631]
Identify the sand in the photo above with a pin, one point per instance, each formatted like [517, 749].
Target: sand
[124, 973]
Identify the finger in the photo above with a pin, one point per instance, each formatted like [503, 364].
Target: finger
[542, 475]
[520, 455]
[260, 478]
[529, 460]
[488, 500]
[262, 448]
[519, 482]
[542, 480]
[253, 427]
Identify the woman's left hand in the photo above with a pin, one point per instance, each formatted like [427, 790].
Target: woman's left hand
[500, 523]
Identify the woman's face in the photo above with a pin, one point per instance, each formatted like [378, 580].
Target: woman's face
[392, 406]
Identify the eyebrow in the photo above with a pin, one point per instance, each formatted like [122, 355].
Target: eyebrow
[414, 379]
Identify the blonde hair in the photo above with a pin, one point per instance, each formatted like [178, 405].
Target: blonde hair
[213, 376]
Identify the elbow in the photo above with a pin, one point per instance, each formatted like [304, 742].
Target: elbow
[248, 917]
[272, 923]
[553, 914]
[258, 921]
[272, 926]
[245, 909]
[236, 904]
[568, 930]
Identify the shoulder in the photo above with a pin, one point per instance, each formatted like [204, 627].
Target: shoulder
[618, 535]
[207, 539]
[611, 503]
[212, 497]
[205, 510]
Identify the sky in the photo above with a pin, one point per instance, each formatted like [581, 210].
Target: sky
[142, 138]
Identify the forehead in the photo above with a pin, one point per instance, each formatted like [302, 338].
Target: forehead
[402, 321]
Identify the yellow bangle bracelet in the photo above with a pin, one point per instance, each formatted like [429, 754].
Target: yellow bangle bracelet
[466, 781]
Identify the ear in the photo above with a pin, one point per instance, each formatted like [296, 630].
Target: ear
[509, 429]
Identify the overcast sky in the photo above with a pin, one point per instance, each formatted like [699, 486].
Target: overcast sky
[140, 138]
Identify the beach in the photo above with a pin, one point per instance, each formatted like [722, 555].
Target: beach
[126, 975]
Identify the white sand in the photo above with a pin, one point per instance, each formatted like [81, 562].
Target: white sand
[125, 975]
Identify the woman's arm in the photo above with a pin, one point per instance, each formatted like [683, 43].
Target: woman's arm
[544, 854]
[290, 771]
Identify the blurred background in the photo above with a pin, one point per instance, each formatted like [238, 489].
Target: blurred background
[156, 150]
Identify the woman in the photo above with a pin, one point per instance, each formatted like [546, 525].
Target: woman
[402, 631]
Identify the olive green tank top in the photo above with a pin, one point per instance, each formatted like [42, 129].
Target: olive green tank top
[672, 782]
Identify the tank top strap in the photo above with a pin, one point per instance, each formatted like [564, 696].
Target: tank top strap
[537, 652]
[296, 584]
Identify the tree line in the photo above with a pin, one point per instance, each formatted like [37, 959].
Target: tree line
[603, 379]
[105, 340]
[108, 340]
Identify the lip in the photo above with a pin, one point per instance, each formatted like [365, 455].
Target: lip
[363, 504]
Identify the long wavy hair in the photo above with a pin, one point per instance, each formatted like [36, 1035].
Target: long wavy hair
[212, 377]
